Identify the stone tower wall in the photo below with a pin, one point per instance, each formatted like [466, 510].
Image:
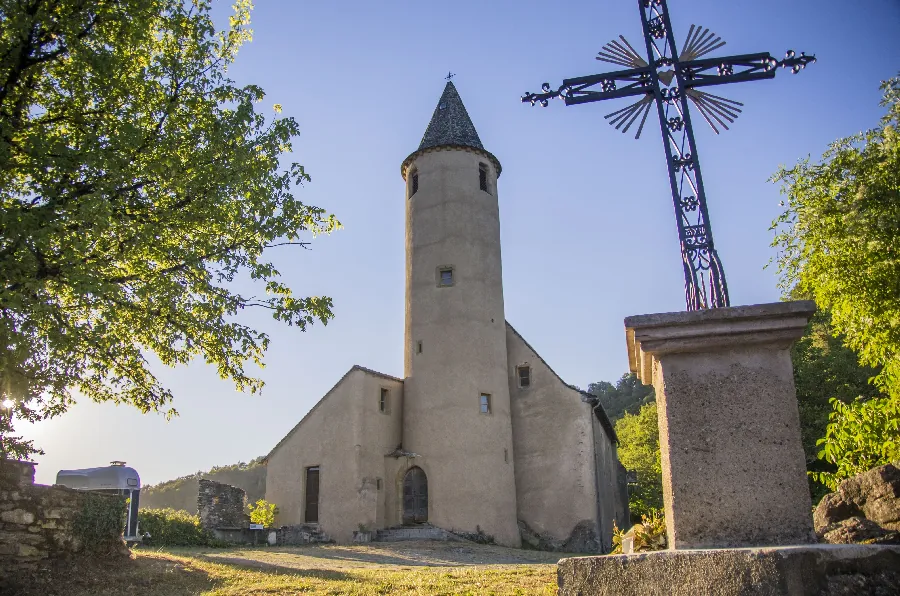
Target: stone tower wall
[467, 455]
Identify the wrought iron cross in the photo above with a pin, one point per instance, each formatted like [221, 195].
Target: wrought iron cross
[669, 79]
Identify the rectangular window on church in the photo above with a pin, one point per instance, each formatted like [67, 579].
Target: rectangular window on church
[483, 177]
[383, 403]
[524, 374]
[485, 403]
[414, 183]
[445, 276]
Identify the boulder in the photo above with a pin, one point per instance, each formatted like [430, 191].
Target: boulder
[858, 530]
[861, 503]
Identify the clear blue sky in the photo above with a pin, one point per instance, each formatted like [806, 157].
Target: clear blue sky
[587, 226]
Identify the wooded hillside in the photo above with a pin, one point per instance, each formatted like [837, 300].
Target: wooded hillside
[181, 493]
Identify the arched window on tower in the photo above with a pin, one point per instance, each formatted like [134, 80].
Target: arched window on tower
[413, 182]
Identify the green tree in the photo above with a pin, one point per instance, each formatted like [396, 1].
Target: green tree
[839, 237]
[639, 452]
[628, 395]
[824, 368]
[862, 435]
[139, 189]
[839, 242]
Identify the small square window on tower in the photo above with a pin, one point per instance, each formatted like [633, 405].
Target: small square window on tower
[524, 375]
[384, 401]
[413, 183]
[483, 177]
[445, 276]
[484, 403]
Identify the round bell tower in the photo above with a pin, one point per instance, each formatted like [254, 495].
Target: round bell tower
[456, 415]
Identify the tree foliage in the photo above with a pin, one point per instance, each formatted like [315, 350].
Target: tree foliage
[839, 242]
[639, 452]
[139, 187]
[824, 368]
[862, 435]
[839, 237]
[263, 513]
[627, 396]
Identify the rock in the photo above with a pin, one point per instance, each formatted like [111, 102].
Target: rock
[833, 509]
[18, 516]
[877, 494]
[858, 530]
[25, 550]
[872, 495]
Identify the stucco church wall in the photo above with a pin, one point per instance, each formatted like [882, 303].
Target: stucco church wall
[554, 456]
[338, 436]
[381, 434]
[612, 488]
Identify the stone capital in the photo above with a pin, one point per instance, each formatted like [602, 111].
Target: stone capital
[654, 335]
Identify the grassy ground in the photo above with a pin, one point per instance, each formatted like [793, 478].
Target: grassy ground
[384, 568]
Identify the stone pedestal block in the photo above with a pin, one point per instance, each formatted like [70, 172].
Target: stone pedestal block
[832, 570]
[734, 473]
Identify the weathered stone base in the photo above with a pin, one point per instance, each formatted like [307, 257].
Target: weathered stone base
[582, 539]
[829, 570]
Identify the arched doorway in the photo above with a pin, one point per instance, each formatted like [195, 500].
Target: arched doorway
[415, 496]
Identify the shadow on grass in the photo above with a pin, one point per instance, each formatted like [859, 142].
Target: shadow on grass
[94, 576]
[407, 554]
[239, 562]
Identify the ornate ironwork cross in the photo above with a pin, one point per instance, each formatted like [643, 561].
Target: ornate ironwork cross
[669, 79]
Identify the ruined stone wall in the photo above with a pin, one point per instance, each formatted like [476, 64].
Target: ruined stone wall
[221, 505]
[39, 522]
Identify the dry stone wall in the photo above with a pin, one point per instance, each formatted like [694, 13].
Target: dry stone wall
[221, 506]
[39, 522]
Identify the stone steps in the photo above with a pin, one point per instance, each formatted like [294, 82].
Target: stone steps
[423, 532]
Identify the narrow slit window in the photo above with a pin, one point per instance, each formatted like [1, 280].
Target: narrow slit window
[378, 484]
[485, 403]
[524, 373]
[483, 177]
[418, 347]
[413, 183]
[383, 401]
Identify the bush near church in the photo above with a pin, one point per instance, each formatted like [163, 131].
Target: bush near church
[172, 527]
[263, 513]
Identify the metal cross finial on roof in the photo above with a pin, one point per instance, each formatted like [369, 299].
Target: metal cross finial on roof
[450, 75]
[669, 79]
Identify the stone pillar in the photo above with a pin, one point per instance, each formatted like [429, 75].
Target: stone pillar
[734, 473]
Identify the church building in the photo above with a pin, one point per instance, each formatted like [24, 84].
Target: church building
[479, 434]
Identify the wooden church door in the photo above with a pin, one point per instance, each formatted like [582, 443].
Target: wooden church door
[415, 496]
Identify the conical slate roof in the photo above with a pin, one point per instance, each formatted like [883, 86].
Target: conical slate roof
[450, 126]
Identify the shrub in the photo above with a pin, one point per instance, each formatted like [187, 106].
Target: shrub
[98, 525]
[263, 513]
[862, 435]
[173, 527]
[639, 451]
[648, 535]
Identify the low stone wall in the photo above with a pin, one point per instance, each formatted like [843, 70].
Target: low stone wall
[221, 506]
[814, 570]
[298, 535]
[40, 522]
